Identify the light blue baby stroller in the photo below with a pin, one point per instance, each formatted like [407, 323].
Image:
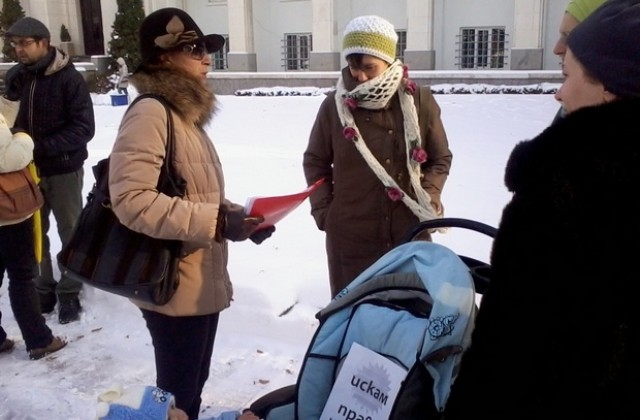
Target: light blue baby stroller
[415, 306]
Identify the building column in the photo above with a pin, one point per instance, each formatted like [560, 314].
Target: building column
[526, 47]
[419, 54]
[241, 56]
[322, 57]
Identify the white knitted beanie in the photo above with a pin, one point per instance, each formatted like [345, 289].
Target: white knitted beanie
[370, 35]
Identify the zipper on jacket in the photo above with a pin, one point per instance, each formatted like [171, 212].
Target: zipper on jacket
[32, 90]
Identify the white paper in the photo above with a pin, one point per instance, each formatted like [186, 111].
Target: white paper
[365, 388]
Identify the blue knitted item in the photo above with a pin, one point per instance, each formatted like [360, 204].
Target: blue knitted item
[154, 405]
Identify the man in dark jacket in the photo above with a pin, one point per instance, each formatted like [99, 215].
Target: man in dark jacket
[57, 111]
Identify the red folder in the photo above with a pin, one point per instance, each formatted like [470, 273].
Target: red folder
[275, 208]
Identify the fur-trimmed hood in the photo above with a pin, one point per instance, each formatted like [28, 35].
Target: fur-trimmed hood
[190, 98]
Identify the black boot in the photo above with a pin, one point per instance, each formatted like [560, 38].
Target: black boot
[45, 285]
[69, 309]
[47, 302]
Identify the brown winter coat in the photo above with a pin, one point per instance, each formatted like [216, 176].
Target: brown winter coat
[136, 159]
[352, 207]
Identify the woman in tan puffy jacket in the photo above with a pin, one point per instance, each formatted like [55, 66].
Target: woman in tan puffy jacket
[176, 59]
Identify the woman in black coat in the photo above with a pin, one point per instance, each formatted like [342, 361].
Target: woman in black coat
[558, 332]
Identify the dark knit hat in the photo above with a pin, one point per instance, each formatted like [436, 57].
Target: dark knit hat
[28, 27]
[607, 44]
[170, 27]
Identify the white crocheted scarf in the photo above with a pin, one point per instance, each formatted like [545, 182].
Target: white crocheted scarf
[376, 94]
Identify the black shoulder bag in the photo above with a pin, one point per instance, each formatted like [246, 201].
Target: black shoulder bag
[107, 255]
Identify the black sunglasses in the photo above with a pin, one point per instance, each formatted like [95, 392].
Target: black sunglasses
[197, 50]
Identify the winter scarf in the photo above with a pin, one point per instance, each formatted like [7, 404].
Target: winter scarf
[376, 94]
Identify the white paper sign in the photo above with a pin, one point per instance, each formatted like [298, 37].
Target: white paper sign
[366, 387]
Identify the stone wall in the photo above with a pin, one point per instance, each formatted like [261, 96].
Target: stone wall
[227, 83]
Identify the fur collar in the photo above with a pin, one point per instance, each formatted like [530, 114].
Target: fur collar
[600, 142]
[190, 98]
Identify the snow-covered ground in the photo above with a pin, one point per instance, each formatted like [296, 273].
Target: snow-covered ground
[258, 348]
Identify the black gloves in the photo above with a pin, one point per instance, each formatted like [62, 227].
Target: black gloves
[260, 235]
[237, 226]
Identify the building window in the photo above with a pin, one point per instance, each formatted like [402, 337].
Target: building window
[401, 45]
[482, 48]
[220, 57]
[297, 48]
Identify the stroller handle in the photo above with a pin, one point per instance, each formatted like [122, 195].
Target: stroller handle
[480, 271]
[452, 222]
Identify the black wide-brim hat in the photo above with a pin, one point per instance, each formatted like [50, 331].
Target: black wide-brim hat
[167, 28]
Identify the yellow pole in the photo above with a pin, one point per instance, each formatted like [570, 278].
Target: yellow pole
[37, 222]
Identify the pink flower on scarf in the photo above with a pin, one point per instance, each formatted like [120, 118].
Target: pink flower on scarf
[419, 154]
[350, 133]
[405, 71]
[394, 194]
[410, 86]
[351, 102]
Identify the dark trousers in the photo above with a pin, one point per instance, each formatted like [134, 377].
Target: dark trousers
[63, 198]
[183, 347]
[17, 259]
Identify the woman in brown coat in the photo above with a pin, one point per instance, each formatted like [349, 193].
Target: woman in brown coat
[380, 144]
[176, 60]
